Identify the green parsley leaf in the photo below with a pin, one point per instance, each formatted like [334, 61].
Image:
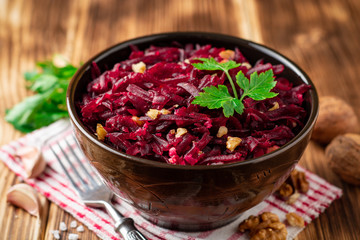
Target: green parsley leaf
[43, 83]
[212, 65]
[218, 97]
[230, 106]
[259, 86]
[49, 102]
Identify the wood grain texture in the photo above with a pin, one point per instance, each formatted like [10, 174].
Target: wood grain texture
[321, 36]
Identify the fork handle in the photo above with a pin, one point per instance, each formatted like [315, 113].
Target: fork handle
[123, 225]
[127, 229]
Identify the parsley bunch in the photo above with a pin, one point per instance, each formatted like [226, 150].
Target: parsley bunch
[49, 102]
[257, 88]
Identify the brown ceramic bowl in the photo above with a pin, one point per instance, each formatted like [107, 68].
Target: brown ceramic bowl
[191, 197]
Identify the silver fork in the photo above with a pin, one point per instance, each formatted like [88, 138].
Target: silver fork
[94, 193]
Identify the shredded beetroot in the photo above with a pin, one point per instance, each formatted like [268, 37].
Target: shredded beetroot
[149, 114]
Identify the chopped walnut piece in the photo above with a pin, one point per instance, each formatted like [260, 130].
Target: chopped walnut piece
[264, 227]
[100, 132]
[275, 106]
[165, 111]
[139, 67]
[137, 121]
[295, 220]
[227, 54]
[180, 132]
[153, 113]
[246, 64]
[232, 143]
[222, 131]
[249, 224]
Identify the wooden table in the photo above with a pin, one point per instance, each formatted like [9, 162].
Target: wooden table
[323, 37]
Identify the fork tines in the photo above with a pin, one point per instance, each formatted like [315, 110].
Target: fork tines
[74, 164]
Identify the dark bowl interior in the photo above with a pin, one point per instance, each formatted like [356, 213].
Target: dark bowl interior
[191, 197]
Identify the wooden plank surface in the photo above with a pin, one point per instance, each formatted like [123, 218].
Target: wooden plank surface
[322, 37]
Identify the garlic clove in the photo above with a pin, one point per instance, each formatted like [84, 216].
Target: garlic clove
[24, 196]
[32, 159]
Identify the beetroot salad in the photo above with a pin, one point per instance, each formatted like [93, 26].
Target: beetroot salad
[143, 107]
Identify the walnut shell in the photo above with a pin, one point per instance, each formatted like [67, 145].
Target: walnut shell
[344, 155]
[335, 117]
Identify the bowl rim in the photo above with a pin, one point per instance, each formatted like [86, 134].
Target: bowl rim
[206, 35]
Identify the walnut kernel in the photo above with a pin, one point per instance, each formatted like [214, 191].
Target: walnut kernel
[299, 180]
[275, 231]
[139, 67]
[165, 111]
[295, 220]
[294, 184]
[275, 106]
[232, 143]
[286, 190]
[222, 131]
[272, 217]
[264, 227]
[292, 199]
[227, 54]
[249, 224]
[153, 113]
[100, 132]
[180, 132]
[246, 64]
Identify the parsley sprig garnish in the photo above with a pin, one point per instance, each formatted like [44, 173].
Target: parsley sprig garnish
[258, 87]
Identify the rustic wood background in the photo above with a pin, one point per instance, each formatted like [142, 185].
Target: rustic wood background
[322, 36]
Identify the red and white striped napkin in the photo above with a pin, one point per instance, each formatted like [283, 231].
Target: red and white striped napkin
[55, 186]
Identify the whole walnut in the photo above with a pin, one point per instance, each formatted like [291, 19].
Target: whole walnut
[344, 155]
[335, 117]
